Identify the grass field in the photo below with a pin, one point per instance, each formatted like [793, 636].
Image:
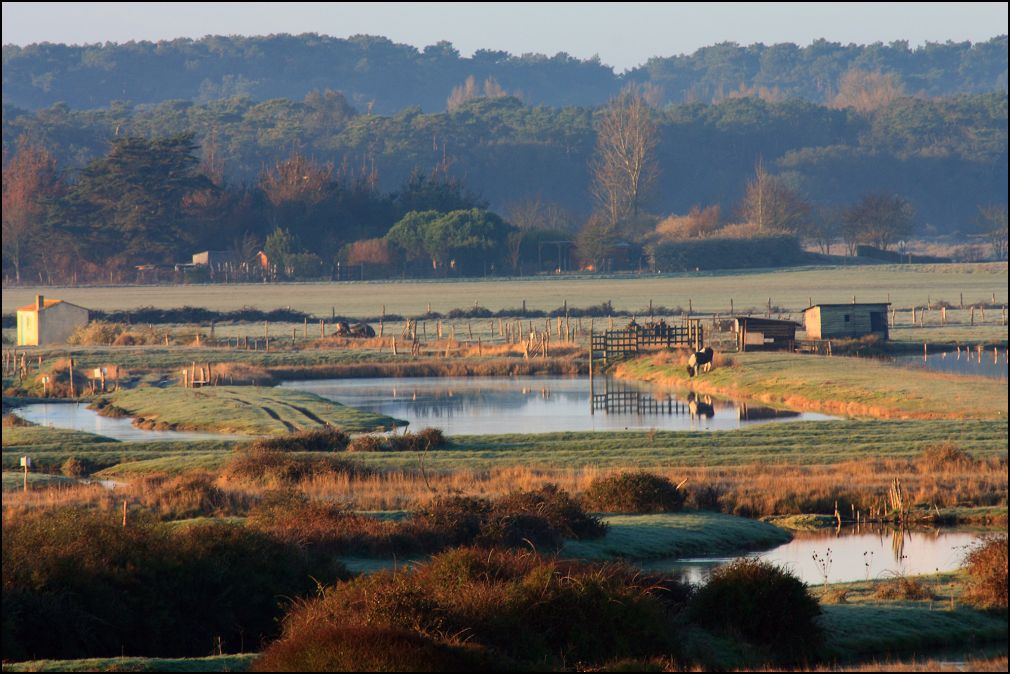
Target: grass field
[801, 443]
[907, 285]
[249, 410]
[851, 386]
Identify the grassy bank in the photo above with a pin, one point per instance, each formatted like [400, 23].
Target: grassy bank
[850, 386]
[643, 537]
[43, 438]
[864, 626]
[249, 410]
[217, 663]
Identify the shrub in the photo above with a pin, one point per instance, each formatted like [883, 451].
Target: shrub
[424, 440]
[334, 529]
[432, 437]
[638, 492]
[729, 250]
[763, 604]
[986, 564]
[366, 443]
[323, 439]
[104, 333]
[75, 467]
[542, 518]
[78, 584]
[187, 496]
[529, 611]
[337, 648]
[903, 588]
[255, 464]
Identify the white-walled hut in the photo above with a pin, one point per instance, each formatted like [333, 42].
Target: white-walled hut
[846, 321]
[49, 321]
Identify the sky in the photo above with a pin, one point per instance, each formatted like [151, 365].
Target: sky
[623, 35]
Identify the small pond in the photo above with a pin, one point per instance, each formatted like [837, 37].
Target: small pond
[491, 405]
[986, 364]
[850, 555]
[77, 417]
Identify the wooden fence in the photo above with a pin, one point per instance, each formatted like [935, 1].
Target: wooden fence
[631, 339]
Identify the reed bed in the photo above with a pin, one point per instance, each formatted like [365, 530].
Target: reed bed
[753, 489]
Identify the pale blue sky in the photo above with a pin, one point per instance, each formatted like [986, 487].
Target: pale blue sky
[623, 35]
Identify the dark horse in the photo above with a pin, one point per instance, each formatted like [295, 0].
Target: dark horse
[700, 361]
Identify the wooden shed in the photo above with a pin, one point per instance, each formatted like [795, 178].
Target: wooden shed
[764, 334]
[48, 321]
[831, 321]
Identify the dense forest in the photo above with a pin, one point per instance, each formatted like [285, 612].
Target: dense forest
[381, 76]
[946, 155]
[319, 182]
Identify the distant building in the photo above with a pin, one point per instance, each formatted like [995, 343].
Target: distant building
[217, 260]
[831, 321]
[764, 334]
[48, 321]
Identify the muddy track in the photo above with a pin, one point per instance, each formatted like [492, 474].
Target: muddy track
[309, 414]
[273, 415]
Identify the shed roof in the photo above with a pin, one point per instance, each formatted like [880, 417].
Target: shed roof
[760, 319]
[849, 304]
[46, 304]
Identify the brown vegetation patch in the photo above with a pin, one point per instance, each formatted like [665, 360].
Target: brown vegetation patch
[986, 564]
[520, 607]
[339, 648]
[272, 468]
[902, 588]
[241, 374]
[323, 439]
[542, 518]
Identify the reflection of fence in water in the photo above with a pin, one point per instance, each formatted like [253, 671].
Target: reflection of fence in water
[634, 401]
[447, 403]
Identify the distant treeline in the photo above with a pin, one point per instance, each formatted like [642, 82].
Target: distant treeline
[946, 156]
[204, 316]
[380, 76]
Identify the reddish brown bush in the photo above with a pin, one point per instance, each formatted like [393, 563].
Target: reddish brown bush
[339, 648]
[986, 563]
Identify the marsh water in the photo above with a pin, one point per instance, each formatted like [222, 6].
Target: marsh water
[849, 555]
[77, 417]
[490, 405]
[965, 362]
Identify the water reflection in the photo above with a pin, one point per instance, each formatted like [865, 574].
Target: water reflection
[482, 405]
[77, 417]
[991, 363]
[852, 554]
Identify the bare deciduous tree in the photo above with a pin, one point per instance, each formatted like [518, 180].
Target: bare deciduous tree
[825, 227]
[879, 220]
[866, 91]
[297, 178]
[469, 91]
[624, 167]
[994, 224]
[533, 212]
[771, 206]
[596, 239]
